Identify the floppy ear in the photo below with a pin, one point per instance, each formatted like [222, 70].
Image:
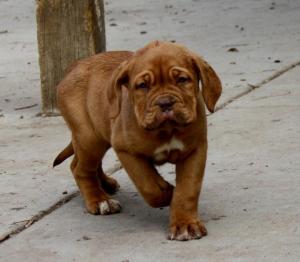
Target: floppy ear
[119, 78]
[211, 84]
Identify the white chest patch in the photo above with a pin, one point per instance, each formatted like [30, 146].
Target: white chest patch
[162, 152]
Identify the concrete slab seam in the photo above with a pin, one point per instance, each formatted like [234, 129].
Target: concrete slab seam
[29, 222]
[258, 85]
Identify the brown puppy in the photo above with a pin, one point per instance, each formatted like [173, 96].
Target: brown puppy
[148, 106]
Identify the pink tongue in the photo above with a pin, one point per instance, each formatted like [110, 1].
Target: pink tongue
[168, 115]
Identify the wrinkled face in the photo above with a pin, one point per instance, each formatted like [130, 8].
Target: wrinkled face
[163, 87]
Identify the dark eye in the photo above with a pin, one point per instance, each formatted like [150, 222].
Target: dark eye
[182, 80]
[142, 85]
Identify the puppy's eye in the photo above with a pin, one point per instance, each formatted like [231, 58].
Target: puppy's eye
[142, 85]
[182, 80]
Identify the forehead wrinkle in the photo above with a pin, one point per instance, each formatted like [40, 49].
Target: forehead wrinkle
[159, 61]
[160, 66]
[154, 65]
[180, 70]
[143, 74]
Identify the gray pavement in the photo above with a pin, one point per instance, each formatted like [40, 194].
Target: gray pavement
[250, 199]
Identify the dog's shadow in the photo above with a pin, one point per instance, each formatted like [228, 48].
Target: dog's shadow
[136, 211]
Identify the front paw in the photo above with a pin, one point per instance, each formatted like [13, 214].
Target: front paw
[184, 231]
[105, 207]
[110, 206]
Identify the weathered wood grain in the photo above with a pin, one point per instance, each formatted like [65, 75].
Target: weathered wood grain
[67, 30]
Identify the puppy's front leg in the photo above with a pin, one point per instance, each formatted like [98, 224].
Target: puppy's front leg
[184, 221]
[155, 190]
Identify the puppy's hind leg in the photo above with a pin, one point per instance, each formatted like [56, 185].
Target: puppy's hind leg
[85, 170]
[109, 184]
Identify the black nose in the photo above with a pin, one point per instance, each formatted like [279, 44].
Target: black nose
[165, 103]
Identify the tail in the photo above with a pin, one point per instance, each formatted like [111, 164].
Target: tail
[63, 155]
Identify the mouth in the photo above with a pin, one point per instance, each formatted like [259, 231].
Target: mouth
[167, 115]
[167, 120]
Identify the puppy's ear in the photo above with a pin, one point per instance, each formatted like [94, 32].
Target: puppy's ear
[211, 84]
[114, 93]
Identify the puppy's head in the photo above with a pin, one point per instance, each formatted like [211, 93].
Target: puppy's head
[163, 83]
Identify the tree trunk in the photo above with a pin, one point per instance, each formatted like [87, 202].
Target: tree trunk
[67, 30]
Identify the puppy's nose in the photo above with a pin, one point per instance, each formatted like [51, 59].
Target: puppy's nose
[165, 103]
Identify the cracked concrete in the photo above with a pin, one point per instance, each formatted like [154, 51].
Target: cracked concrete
[250, 200]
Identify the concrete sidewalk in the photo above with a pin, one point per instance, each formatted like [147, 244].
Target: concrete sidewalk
[250, 200]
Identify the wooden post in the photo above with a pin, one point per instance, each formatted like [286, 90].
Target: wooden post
[67, 30]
